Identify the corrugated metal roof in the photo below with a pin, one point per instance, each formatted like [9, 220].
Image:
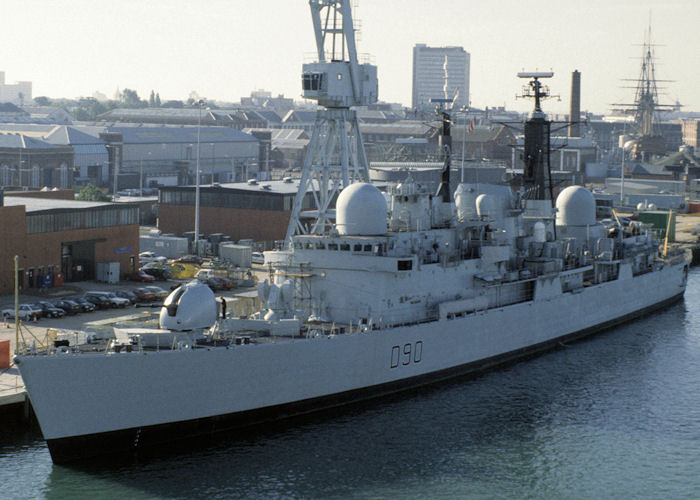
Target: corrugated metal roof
[150, 135]
[63, 134]
[21, 141]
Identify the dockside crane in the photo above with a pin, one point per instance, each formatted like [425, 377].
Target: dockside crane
[335, 157]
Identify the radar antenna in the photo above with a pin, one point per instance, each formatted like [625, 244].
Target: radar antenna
[335, 157]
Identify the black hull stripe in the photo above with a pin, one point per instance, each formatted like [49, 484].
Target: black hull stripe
[79, 448]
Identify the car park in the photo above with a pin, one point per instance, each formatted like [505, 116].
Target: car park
[26, 312]
[69, 306]
[139, 276]
[48, 310]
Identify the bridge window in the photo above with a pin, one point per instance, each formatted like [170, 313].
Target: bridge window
[405, 265]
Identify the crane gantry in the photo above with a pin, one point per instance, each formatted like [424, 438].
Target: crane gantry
[337, 81]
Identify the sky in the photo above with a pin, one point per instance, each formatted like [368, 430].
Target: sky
[224, 49]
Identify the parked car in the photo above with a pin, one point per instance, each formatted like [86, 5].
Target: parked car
[257, 258]
[98, 301]
[69, 306]
[49, 310]
[113, 299]
[158, 292]
[85, 305]
[26, 312]
[158, 271]
[144, 294]
[127, 294]
[189, 259]
[139, 276]
[213, 283]
[152, 257]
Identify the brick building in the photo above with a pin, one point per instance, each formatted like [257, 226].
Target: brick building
[64, 239]
[257, 211]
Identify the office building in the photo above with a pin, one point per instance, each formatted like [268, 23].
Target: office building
[440, 72]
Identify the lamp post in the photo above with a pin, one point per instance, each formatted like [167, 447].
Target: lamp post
[196, 185]
[213, 161]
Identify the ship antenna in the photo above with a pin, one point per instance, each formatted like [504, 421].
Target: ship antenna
[445, 148]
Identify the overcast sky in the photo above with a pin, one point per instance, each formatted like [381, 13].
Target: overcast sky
[223, 49]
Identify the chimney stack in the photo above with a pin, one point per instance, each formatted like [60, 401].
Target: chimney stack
[575, 107]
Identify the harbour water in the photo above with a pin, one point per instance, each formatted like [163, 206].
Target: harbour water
[614, 416]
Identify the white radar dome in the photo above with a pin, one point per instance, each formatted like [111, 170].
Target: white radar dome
[360, 211]
[576, 207]
[189, 307]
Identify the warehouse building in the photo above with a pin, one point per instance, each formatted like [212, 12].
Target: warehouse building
[60, 240]
[252, 210]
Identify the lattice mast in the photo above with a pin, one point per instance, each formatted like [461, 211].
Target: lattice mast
[336, 156]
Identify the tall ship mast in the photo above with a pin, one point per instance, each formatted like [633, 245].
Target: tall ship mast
[647, 138]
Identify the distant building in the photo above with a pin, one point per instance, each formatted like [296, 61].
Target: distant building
[691, 133]
[168, 155]
[435, 68]
[264, 99]
[27, 161]
[16, 93]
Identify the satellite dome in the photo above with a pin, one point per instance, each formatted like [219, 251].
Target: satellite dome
[576, 207]
[360, 211]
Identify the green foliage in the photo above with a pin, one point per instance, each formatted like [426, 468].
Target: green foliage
[131, 99]
[92, 193]
[42, 101]
[88, 108]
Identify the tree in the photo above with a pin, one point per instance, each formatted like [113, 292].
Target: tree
[131, 99]
[92, 193]
[42, 101]
[157, 100]
[89, 108]
[152, 100]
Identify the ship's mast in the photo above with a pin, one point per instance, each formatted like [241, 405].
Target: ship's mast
[335, 157]
[536, 171]
[646, 104]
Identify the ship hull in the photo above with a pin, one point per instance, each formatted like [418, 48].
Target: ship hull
[132, 401]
